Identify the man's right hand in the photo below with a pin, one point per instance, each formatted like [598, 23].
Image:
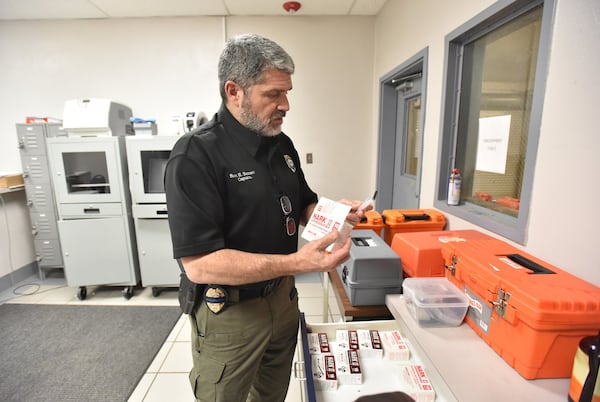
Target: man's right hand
[314, 257]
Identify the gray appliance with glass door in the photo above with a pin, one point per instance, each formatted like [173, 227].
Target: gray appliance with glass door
[147, 158]
[94, 206]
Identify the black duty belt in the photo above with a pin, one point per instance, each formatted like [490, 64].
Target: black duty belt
[251, 292]
[218, 297]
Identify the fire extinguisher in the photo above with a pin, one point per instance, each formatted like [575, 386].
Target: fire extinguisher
[454, 187]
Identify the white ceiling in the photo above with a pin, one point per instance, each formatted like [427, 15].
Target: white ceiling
[74, 9]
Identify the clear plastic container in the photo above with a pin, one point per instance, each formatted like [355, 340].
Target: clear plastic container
[435, 302]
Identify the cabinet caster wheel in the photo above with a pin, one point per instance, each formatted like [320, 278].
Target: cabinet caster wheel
[128, 292]
[155, 292]
[82, 293]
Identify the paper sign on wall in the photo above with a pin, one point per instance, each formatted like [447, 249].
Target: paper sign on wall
[492, 146]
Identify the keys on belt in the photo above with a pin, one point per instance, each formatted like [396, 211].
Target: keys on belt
[218, 297]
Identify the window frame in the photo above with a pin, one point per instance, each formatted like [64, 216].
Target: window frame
[493, 17]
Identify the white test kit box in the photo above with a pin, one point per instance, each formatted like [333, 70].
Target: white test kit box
[324, 372]
[327, 216]
[394, 347]
[347, 365]
[417, 384]
[367, 342]
[318, 343]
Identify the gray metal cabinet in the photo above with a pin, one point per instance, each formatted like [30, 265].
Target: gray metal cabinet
[94, 209]
[146, 158]
[94, 251]
[157, 266]
[38, 188]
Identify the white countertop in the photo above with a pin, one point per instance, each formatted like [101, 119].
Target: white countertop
[471, 368]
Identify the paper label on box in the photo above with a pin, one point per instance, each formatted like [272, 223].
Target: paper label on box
[327, 216]
[348, 368]
[318, 343]
[394, 346]
[324, 372]
[370, 343]
[347, 339]
[419, 386]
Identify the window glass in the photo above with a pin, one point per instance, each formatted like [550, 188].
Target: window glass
[498, 75]
[495, 80]
[86, 172]
[413, 148]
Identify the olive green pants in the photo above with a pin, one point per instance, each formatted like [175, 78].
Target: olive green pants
[245, 353]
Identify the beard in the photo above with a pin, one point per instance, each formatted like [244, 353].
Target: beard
[264, 128]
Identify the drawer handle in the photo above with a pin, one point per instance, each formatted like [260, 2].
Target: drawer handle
[162, 212]
[299, 371]
[91, 210]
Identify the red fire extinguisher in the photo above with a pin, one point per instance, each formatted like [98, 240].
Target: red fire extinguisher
[454, 183]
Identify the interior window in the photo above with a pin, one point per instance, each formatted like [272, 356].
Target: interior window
[495, 106]
[491, 123]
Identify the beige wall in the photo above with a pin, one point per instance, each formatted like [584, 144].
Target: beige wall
[162, 66]
[168, 65]
[564, 219]
[16, 244]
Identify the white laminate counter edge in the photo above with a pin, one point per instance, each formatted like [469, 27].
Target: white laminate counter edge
[468, 366]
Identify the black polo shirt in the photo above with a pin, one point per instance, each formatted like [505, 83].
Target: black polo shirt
[223, 185]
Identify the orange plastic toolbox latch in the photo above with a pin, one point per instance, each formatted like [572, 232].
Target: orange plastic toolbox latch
[501, 302]
[452, 266]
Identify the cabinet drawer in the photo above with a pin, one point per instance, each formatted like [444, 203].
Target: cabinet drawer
[150, 211]
[90, 210]
[379, 375]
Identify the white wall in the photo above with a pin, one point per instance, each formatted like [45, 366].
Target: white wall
[330, 113]
[564, 219]
[16, 244]
[162, 66]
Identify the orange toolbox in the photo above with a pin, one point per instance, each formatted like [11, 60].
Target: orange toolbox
[531, 313]
[410, 220]
[421, 252]
[373, 221]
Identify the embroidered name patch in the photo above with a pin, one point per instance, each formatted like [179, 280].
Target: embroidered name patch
[242, 176]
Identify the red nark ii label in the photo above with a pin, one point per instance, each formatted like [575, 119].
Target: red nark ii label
[330, 367]
[354, 361]
[323, 342]
[375, 339]
[353, 343]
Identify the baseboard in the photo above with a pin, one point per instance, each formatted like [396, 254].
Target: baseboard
[8, 281]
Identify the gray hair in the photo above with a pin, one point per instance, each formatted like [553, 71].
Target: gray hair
[246, 57]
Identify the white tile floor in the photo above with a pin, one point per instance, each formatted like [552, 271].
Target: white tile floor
[167, 377]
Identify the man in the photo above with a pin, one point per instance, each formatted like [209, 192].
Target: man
[236, 194]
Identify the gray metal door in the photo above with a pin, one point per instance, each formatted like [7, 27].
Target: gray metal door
[405, 194]
[401, 135]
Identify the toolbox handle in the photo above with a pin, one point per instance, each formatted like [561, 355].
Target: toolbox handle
[422, 217]
[360, 241]
[527, 263]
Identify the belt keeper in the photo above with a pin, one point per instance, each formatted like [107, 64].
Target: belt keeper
[234, 294]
